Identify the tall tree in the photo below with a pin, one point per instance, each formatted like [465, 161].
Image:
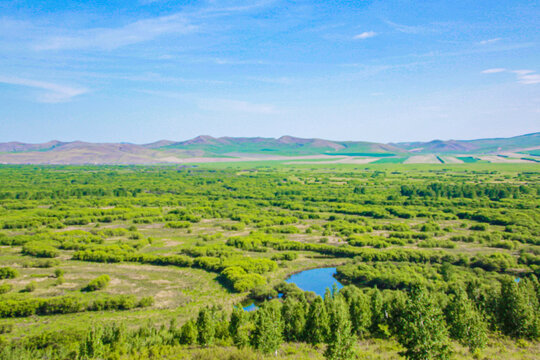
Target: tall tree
[205, 327]
[340, 338]
[518, 309]
[294, 316]
[268, 332]
[465, 322]
[316, 329]
[240, 327]
[423, 331]
[360, 311]
[188, 333]
[377, 313]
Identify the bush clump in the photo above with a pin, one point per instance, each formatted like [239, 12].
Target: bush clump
[98, 283]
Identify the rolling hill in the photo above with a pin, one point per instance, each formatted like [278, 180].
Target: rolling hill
[208, 148]
[479, 146]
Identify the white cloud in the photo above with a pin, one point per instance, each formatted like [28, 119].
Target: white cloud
[493, 71]
[490, 41]
[365, 35]
[526, 77]
[407, 29]
[54, 93]
[112, 38]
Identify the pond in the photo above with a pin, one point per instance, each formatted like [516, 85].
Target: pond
[316, 280]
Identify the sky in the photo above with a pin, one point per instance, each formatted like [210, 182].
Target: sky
[386, 71]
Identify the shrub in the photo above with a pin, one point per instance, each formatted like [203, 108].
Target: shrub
[8, 273]
[146, 301]
[39, 250]
[5, 288]
[178, 225]
[30, 287]
[98, 283]
[58, 273]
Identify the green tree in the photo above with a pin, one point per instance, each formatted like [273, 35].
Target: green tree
[360, 311]
[268, 332]
[465, 321]
[240, 327]
[423, 331]
[518, 309]
[188, 333]
[377, 313]
[294, 314]
[340, 338]
[316, 329]
[205, 327]
[92, 345]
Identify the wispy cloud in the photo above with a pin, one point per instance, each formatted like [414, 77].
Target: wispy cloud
[489, 41]
[112, 38]
[54, 93]
[493, 71]
[365, 35]
[407, 29]
[526, 77]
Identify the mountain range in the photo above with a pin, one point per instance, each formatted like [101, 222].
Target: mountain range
[206, 148]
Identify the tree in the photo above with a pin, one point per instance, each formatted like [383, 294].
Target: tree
[240, 327]
[518, 309]
[92, 345]
[423, 331]
[377, 313]
[316, 329]
[188, 333]
[205, 327]
[360, 311]
[340, 338]
[465, 321]
[268, 332]
[294, 315]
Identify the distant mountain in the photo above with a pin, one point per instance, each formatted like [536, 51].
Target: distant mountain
[20, 147]
[285, 145]
[208, 148]
[479, 146]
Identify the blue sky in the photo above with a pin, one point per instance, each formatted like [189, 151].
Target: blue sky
[143, 70]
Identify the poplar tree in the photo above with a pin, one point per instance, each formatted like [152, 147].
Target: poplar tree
[205, 327]
[340, 338]
[268, 332]
[360, 311]
[423, 330]
[316, 329]
[294, 316]
[465, 322]
[239, 327]
[188, 333]
[518, 309]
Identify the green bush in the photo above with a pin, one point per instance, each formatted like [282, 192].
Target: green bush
[5, 288]
[98, 283]
[39, 250]
[8, 273]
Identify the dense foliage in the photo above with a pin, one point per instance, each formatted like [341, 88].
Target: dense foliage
[431, 256]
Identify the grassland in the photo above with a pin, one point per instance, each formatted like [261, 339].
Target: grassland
[173, 234]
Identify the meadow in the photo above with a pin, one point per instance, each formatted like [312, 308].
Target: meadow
[439, 261]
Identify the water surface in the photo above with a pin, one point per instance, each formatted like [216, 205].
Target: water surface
[316, 280]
